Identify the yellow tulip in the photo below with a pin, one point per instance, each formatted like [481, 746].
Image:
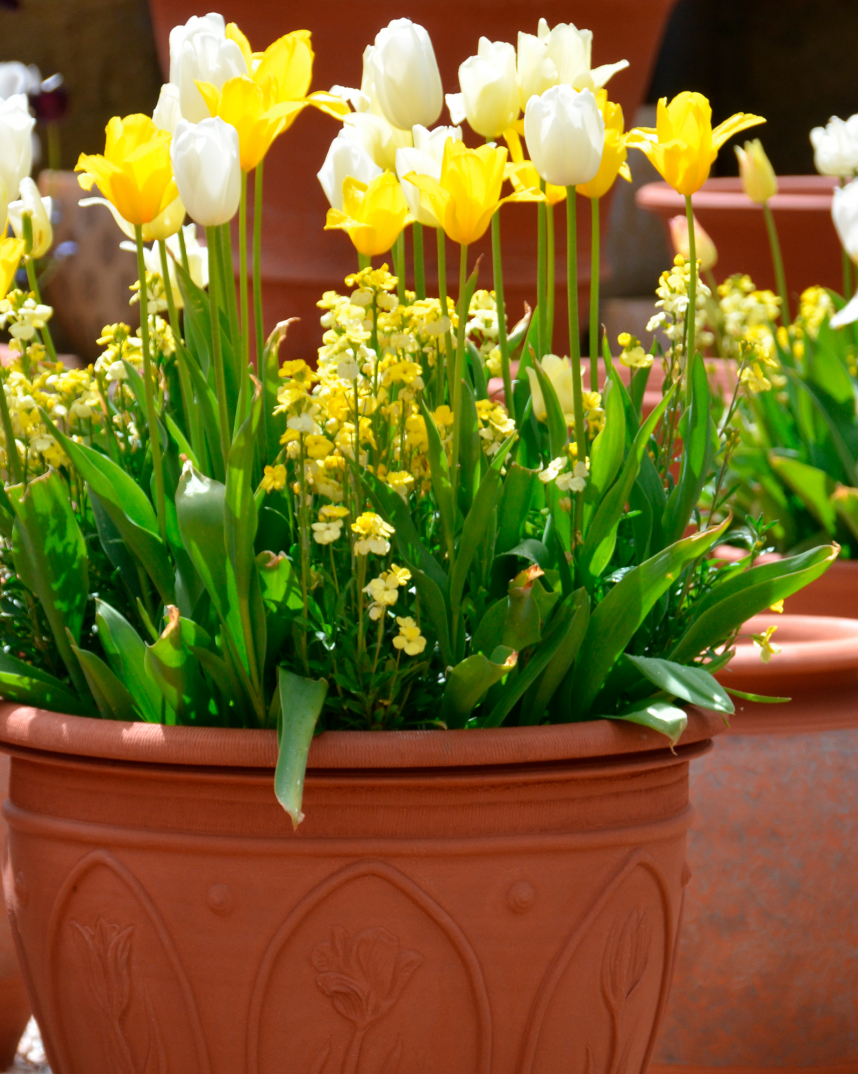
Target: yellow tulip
[135, 173]
[285, 71]
[522, 173]
[244, 105]
[11, 252]
[468, 194]
[758, 175]
[614, 153]
[373, 215]
[684, 146]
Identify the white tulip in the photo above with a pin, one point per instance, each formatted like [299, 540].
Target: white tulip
[16, 142]
[207, 168]
[377, 137]
[197, 24]
[489, 99]
[200, 51]
[835, 147]
[559, 57]
[405, 77]
[565, 135]
[168, 111]
[848, 315]
[346, 156]
[39, 209]
[844, 212]
[16, 77]
[423, 159]
[198, 261]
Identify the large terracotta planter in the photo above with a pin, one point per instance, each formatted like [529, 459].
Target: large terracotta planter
[501, 901]
[834, 593]
[766, 976]
[802, 212]
[299, 260]
[14, 1006]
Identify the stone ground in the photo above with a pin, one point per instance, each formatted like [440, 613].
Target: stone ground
[31, 1054]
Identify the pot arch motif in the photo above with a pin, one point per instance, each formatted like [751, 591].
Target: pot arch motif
[363, 973]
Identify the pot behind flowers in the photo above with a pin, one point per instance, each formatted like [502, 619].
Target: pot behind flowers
[14, 1006]
[766, 977]
[466, 901]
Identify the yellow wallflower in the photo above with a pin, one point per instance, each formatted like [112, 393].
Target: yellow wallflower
[409, 637]
[135, 173]
[765, 646]
[317, 447]
[754, 379]
[273, 478]
[373, 215]
[614, 153]
[683, 145]
[11, 252]
[372, 532]
[468, 193]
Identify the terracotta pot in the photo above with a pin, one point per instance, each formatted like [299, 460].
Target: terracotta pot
[834, 593]
[299, 260]
[14, 1006]
[766, 976]
[802, 212]
[501, 900]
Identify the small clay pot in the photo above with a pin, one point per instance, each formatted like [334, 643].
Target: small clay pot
[14, 1005]
[766, 978]
[464, 902]
[834, 593]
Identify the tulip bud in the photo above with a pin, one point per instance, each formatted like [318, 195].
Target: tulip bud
[16, 141]
[200, 51]
[559, 57]
[844, 212]
[489, 97]
[758, 175]
[346, 156]
[207, 169]
[168, 111]
[197, 24]
[405, 75]
[707, 255]
[835, 147]
[39, 211]
[565, 135]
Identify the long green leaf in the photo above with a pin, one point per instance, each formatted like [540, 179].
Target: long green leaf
[301, 702]
[692, 684]
[113, 699]
[696, 455]
[176, 672]
[27, 685]
[812, 486]
[519, 488]
[470, 681]
[439, 471]
[661, 716]
[606, 454]
[544, 688]
[558, 431]
[470, 452]
[126, 654]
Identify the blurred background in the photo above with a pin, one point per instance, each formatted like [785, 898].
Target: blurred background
[791, 61]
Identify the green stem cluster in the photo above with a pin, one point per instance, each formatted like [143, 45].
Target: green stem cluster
[151, 416]
[691, 324]
[503, 344]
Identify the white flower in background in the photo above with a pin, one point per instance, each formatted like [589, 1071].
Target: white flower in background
[424, 158]
[835, 147]
[844, 212]
[565, 135]
[17, 77]
[16, 142]
[405, 77]
[39, 210]
[489, 97]
[207, 168]
[200, 51]
[347, 156]
[168, 111]
[198, 262]
[560, 56]
[378, 138]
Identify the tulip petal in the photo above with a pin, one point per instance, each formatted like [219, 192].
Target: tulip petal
[848, 315]
[601, 75]
[740, 122]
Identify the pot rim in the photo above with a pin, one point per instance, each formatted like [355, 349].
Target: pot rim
[796, 192]
[832, 646]
[24, 727]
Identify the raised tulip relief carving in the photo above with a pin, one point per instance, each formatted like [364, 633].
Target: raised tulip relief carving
[625, 962]
[363, 976]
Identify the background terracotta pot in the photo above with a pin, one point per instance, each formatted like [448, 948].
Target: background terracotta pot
[802, 212]
[299, 260]
[834, 593]
[14, 1005]
[502, 900]
[766, 975]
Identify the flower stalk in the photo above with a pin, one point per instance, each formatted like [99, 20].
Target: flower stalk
[151, 417]
[217, 349]
[777, 262]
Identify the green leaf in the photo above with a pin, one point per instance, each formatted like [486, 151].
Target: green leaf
[519, 487]
[748, 593]
[481, 388]
[126, 654]
[812, 486]
[557, 670]
[845, 502]
[181, 441]
[392, 507]
[558, 432]
[176, 673]
[469, 682]
[280, 584]
[113, 699]
[696, 456]
[49, 553]
[301, 702]
[435, 606]
[617, 618]
[440, 474]
[659, 715]
[470, 452]
[761, 699]
[692, 684]
[206, 400]
[606, 453]
[26, 685]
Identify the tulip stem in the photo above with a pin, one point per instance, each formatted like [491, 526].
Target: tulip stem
[691, 327]
[190, 411]
[442, 296]
[456, 398]
[217, 353]
[503, 344]
[228, 283]
[14, 473]
[397, 252]
[259, 329]
[550, 275]
[778, 262]
[183, 250]
[595, 269]
[574, 327]
[364, 261]
[847, 275]
[45, 332]
[151, 418]
[541, 296]
[419, 261]
[242, 275]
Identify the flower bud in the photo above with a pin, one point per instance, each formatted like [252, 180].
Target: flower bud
[835, 147]
[16, 142]
[844, 212]
[207, 169]
[167, 112]
[489, 97]
[565, 135]
[707, 255]
[405, 75]
[200, 51]
[758, 175]
[346, 156]
[39, 210]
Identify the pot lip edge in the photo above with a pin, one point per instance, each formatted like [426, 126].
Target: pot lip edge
[39, 730]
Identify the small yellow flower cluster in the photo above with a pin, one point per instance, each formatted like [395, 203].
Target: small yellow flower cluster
[746, 313]
[372, 533]
[409, 637]
[633, 356]
[384, 590]
[814, 306]
[672, 294]
[22, 316]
